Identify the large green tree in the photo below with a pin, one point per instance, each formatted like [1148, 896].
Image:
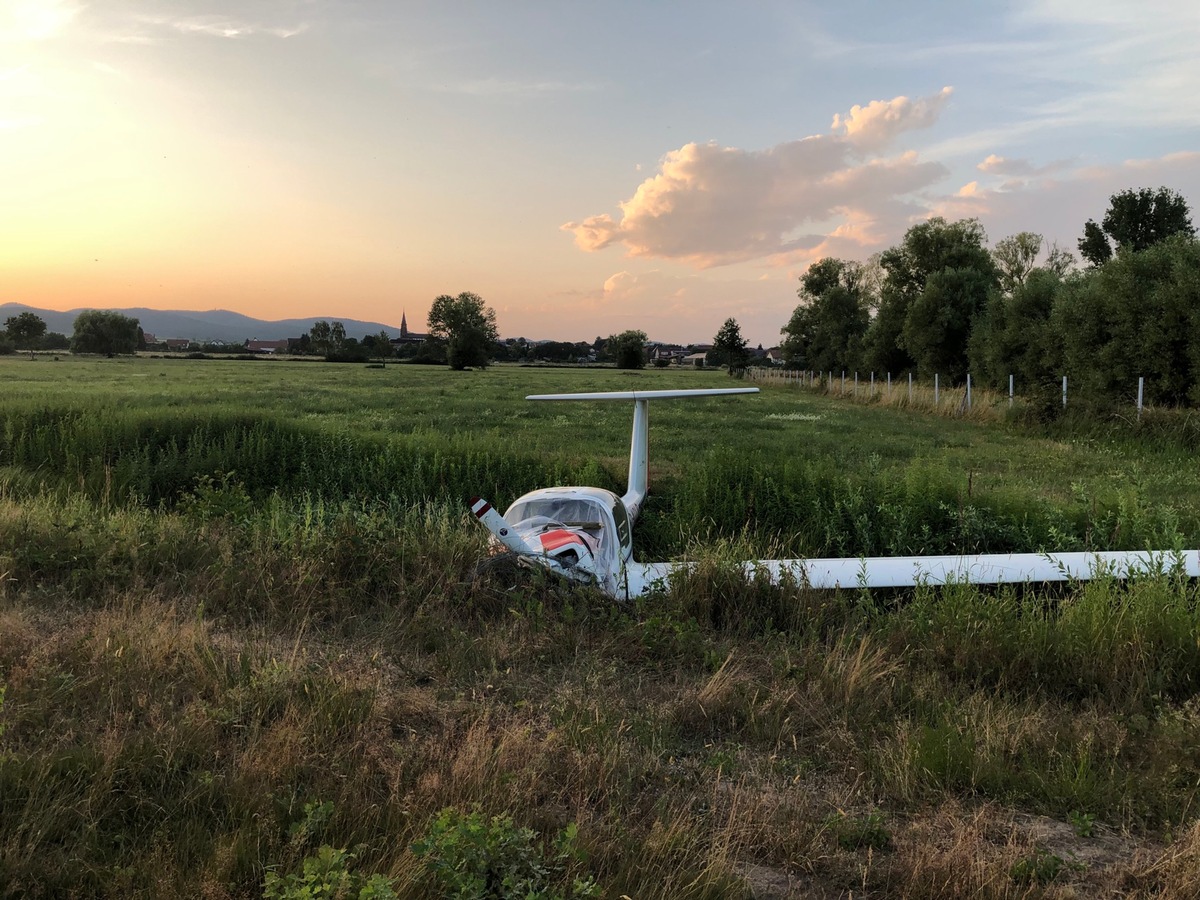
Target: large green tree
[1013, 337]
[729, 347]
[466, 327]
[25, 330]
[1136, 220]
[1137, 316]
[104, 331]
[327, 338]
[928, 248]
[627, 349]
[826, 330]
[939, 322]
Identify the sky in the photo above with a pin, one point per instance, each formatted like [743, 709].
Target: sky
[586, 168]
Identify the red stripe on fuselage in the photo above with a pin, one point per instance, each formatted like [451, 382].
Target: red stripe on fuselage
[552, 540]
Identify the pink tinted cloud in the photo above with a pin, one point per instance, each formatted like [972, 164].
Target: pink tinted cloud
[1057, 205]
[873, 126]
[710, 205]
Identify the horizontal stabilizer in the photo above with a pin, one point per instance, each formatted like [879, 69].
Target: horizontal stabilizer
[645, 395]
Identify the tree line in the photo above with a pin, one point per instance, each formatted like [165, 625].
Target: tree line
[941, 302]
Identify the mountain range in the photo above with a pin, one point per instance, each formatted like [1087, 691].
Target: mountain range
[207, 325]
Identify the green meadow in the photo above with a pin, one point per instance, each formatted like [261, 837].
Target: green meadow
[246, 648]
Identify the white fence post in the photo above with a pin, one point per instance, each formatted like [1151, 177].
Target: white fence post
[910, 387]
[889, 385]
[1141, 385]
[872, 384]
[843, 381]
[1010, 392]
[935, 390]
[1064, 392]
[968, 392]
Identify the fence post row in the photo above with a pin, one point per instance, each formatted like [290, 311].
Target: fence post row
[812, 378]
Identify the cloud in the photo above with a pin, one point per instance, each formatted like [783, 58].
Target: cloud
[873, 126]
[1019, 168]
[1057, 204]
[223, 27]
[1130, 64]
[710, 205]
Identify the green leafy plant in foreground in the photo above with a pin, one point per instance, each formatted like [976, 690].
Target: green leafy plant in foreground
[859, 832]
[1040, 867]
[472, 858]
[1083, 823]
[328, 875]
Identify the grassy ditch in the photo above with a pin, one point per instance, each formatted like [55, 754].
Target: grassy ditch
[239, 701]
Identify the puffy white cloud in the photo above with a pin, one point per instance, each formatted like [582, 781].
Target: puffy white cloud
[874, 125]
[710, 205]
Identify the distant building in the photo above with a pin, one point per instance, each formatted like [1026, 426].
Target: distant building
[406, 336]
[694, 359]
[267, 346]
[177, 343]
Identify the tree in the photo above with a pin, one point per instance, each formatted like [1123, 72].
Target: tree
[329, 340]
[1013, 336]
[1015, 257]
[1094, 246]
[337, 336]
[628, 349]
[826, 330]
[1135, 221]
[928, 247]
[1137, 316]
[939, 322]
[104, 331]
[729, 347]
[320, 339]
[466, 327]
[24, 330]
[378, 344]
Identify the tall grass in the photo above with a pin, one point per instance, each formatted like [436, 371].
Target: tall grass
[227, 640]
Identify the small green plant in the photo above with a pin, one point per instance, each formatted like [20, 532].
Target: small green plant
[1083, 823]
[859, 832]
[316, 817]
[472, 858]
[1040, 867]
[223, 497]
[328, 875]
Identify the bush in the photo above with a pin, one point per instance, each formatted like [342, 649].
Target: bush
[470, 858]
[328, 875]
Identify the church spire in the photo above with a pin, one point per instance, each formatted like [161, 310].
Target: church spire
[403, 325]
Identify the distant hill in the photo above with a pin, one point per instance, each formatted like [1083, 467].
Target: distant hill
[209, 325]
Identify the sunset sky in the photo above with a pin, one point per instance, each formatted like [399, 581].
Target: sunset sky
[585, 168]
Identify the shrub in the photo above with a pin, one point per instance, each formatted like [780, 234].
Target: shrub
[328, 875]
[470, 857]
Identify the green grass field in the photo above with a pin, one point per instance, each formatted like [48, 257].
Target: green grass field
[240, 621]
